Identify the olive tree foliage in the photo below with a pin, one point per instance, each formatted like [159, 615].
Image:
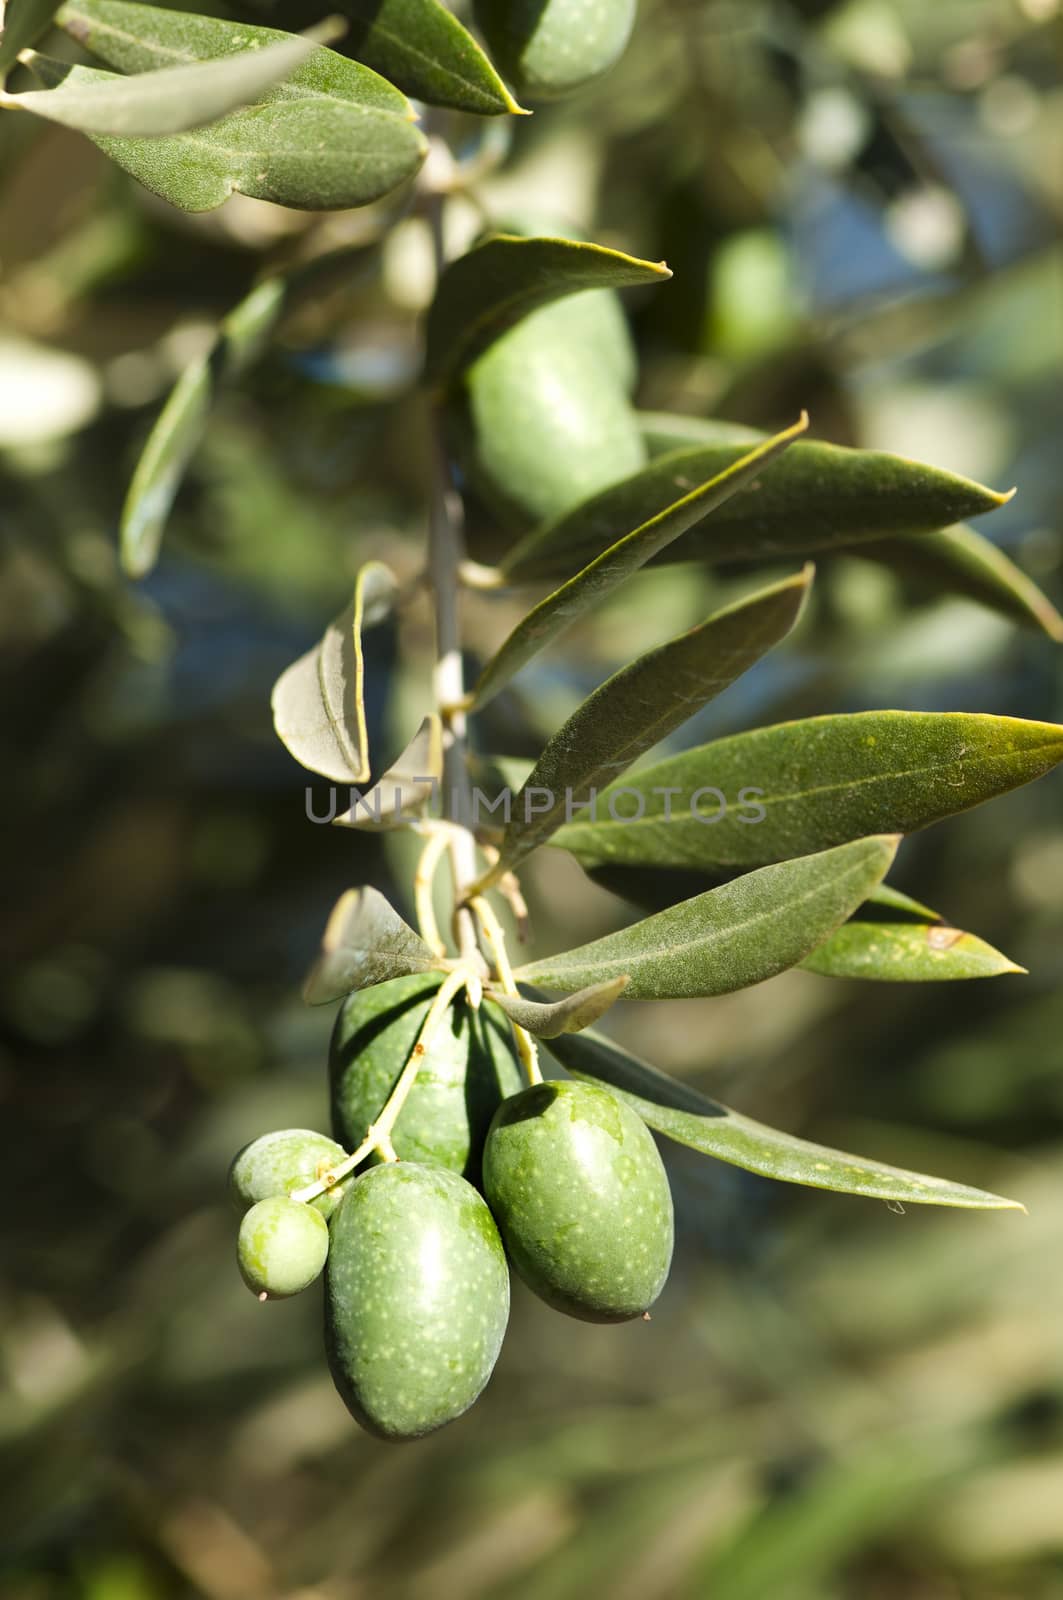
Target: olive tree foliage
[527, 386]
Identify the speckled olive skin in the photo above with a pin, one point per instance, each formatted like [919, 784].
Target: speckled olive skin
[282, 1246]
[417, 1298]
[549, 48]
[283, 1161]
[470, 1067]
[581, 1199]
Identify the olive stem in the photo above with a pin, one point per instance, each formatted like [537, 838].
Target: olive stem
[495, 935]
[423, 883]
[378, 1135]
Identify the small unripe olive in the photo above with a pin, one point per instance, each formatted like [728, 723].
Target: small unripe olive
[283, 1161]
[549, 48]
[282, 1247]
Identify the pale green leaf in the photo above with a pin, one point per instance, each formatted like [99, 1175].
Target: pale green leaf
[365, 942]
[642, 704]
[550, 1019]
[318, 703]
[502, 279]
[619, 561]
[172, 99]
[900, 950]
[801, 786]
[406, 787]
[731, 937]
[690, 1118]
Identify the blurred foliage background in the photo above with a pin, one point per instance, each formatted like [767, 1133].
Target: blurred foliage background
[861, 205]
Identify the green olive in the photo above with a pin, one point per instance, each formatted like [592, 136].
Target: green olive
[282, 1247]
[549, 48]
[283, 1161]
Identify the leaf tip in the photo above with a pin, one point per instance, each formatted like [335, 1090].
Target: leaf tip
[1001, 498]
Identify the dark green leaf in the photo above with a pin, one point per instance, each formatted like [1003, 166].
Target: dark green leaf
[576, 1011]
[23, 23]
[408, 784]
[423, 48]
[642, 704]
[681, 1113]
[802, 786]
[551, 616]
[318, 703]
[729, 937]
[172, 99]
[501, 280]
[961, 561]
[905, 951]
[333, 134]
[365, 942]
[822, 497]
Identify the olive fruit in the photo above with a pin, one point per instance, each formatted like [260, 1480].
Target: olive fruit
[548, 48]
[416, 1300]
[282, 1246]
[283, 1161]
[469, 1068]
[581, 1199]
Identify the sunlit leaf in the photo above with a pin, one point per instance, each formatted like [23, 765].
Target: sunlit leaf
[406, 787]
[501, 280]
[729, 937]
[899, 950]
[576, 1011]
[619, 561]
[640, 705]
[318, 703]
[425, 51]
[801, 786]
[365, 942]
[172, 99]
[690, 1118]
[821, 497]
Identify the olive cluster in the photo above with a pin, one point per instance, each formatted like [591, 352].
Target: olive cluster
[560, 1177]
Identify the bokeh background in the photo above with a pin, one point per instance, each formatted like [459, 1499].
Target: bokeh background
[861, 204]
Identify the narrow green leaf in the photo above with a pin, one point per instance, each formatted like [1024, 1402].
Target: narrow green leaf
[425, 51]
[904, 951]
[172, 99]
[683, 1114]
[642, 704]
[801, 786]
[576, 1011]
[318, 703]
[505, 277]
[822, 497]
[730, 937]
[182, 420]
[885, 899]
[332, 134]
[365, 942]
[561, 608]
[406, 787]
[23, 23]
[961, 561]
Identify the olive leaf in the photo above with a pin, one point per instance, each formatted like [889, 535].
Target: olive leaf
[821, 497]
[365, 942]
[406, 787]
[318, 704]
[172, 99]
[690, 1118]
[549, 1019]
[641, 704]
[901, 950]
[423, 49]
[23, 23]
[505, 277]
[332, 134]
[815, 783]
[619, 561]
[961, 561]
[731, 937]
